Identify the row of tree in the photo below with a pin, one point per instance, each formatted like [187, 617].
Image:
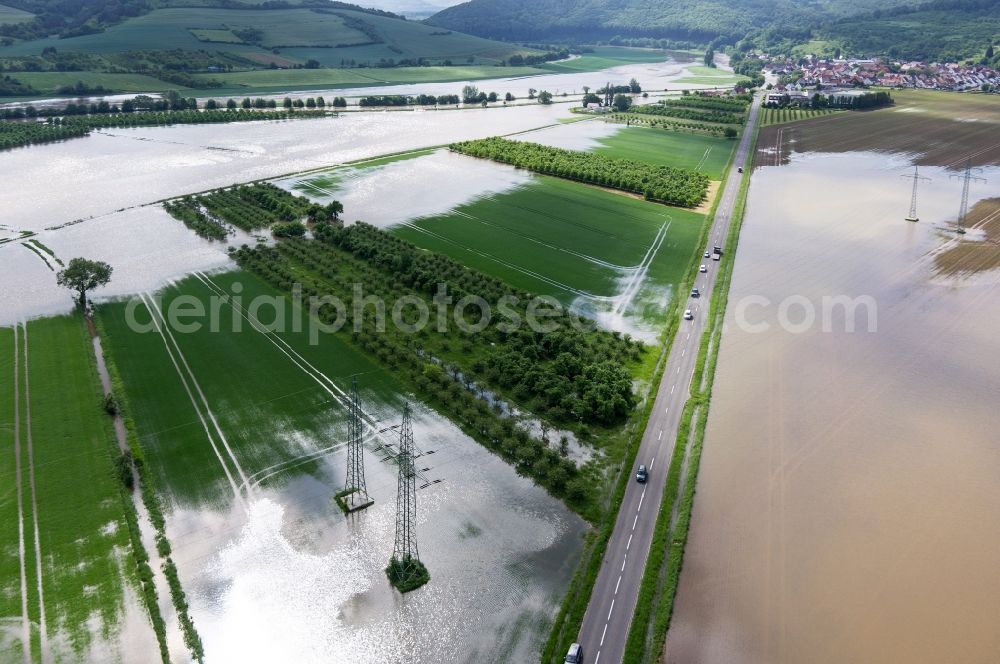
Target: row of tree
[322, 269]
[16, 134]
[665, 184]
[672, 110]
[251, 208]
[403, 100]
[676, 125]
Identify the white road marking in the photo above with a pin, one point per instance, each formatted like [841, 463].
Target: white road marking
[611, 609]
[616, 592]
[683, 351]
[598, 657]
[652, 462]
[634, 522]
[627, 545]
[640, 500]
[623, 569]
[672, 388]
[603, 633]
[659, 435]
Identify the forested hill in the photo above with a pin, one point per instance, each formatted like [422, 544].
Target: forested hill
[676, 19]
[942, 30]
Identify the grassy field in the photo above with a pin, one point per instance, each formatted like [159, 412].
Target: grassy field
[292, 79]
[570, 241]
[81, 529]
[773, 116]
[268, 410]
[295, 33]
[701, 75]
[13, 15]
[49, 82]
[604, 57]
[706, 154]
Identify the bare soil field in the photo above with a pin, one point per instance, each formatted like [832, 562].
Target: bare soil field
[938, 128]
[974, 253]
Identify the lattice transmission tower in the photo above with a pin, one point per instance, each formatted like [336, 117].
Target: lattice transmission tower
[406, 494]
[405, 570]
[355, 490]
[916, 177]
[967, 178]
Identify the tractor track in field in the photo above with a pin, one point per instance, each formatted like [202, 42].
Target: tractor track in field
[325, 382]
[161, 325]
[529, 238]
[525, 271]
[42, 625]
[25, 621]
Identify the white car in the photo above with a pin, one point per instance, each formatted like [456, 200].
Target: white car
[688, 315]
[708, 254]
[703, 268]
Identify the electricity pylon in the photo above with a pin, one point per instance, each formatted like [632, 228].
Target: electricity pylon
[916, 177]
[405, 570]
[968, 177]
[406, 494]
[356, 492]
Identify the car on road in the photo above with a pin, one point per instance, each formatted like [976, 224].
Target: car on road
[739, 170]
[703, 268]
[708, 254]
[641, 475]
[695, 292]
[688, 315]
[717, 257]
[575, 654]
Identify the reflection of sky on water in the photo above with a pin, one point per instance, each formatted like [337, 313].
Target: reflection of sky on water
[294, 580]
[403, 190]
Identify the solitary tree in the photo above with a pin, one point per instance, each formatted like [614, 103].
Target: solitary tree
[82, 275]
[545, 97]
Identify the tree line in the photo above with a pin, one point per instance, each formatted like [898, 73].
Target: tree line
[672, 110]
[403, 100]
[665, 184]
[576, 377]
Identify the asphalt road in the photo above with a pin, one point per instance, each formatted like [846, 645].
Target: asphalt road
[612, 604]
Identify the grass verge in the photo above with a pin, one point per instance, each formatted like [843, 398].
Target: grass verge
[654, 606]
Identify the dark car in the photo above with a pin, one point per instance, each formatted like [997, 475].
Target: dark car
[641, 475]
[695, 292]
[575, 654]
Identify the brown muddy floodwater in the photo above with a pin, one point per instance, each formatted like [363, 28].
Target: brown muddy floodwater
[848, 502]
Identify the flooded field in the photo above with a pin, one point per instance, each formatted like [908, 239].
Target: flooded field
[108, 183]
[271, 568]
[847, 499]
